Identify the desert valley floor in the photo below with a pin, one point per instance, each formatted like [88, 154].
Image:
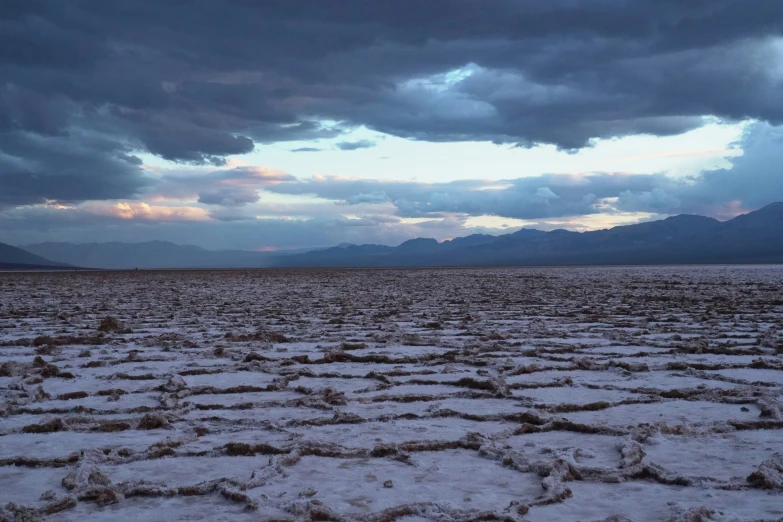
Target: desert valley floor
[614, 393]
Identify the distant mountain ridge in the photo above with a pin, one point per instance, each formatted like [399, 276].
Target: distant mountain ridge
[153, 255]
[756, 237]
[14, 258]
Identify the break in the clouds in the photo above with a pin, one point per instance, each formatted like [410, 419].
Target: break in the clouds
[91, 90]
[237, 208]
[753, 180]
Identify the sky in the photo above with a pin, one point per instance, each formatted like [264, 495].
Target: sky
[300, 123]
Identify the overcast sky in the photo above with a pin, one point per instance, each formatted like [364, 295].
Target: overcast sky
[293, 123]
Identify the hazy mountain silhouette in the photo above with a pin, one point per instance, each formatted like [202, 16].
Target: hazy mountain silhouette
[13, 258]
[152, 254]
[756, 237]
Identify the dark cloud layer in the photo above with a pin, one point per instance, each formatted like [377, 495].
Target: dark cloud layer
[86, 83]
[34, 168]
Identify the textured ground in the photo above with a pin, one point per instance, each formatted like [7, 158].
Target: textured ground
[379, 395]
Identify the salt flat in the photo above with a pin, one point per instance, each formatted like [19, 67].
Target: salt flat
[607, 393]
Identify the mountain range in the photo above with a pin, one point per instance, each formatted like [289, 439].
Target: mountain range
[755, 237]
[13, 258]
[152, 254]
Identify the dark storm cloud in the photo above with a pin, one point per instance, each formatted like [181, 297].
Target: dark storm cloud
[196, 81]
[34, 168]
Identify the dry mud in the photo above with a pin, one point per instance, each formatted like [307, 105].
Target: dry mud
[379, 395]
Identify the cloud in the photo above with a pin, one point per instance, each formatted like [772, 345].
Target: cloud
[355, 145]
[655, 200]
[229, 187]
[79, 224]
[87, 87]
[229, 214]
[753, 180]
[373, 197]
[35, 168]
[229, 196]
[144, 212]
[111, 215]
[95, 82]
[378, 211]
[549, 195]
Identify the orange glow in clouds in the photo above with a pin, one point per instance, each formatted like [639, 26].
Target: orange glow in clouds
[146, 212]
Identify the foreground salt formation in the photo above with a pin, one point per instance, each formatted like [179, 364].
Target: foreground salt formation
[463, 394]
